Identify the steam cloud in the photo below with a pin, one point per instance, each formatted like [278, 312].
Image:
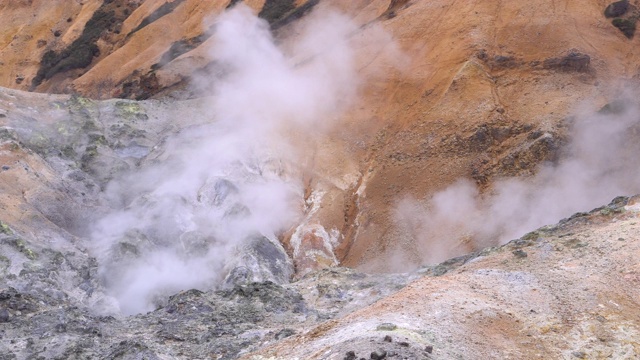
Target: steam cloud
[180, 220]
[602, 162]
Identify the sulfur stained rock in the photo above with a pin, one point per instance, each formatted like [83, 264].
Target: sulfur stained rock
[313, 248]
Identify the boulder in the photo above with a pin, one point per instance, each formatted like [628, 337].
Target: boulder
[260, 259]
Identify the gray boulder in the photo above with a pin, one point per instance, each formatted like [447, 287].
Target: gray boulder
[260, 259]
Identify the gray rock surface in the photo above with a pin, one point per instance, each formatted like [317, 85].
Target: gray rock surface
[58, 156]
[55, 298]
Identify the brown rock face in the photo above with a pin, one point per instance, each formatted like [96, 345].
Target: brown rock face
[485, 95]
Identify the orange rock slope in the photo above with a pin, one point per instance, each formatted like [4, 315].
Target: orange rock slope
[482, 79]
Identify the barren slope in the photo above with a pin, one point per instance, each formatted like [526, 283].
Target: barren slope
[562, 292]
[484, 81]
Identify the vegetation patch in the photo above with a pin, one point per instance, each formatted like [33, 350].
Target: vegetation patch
[163, 10]
[179, 48]
[625, 16]
[616, 107]
[282, 12]
[573, 62]
[616, 9]
[140, 87]
[80, 53]
[394, 6]
[274, 10]
[232, 3]
[627, 26]
[295, 14]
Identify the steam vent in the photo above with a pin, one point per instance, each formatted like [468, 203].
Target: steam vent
[319, 179]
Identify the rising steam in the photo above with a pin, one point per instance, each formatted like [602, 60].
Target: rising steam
[180, 219]
[602, 162]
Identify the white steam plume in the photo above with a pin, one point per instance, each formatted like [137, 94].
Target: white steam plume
[602, 162]
[181, 216]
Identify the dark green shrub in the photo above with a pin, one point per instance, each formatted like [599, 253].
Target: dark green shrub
[616, 9]
[274, 10]
[163, 10]
[232, 3]
[180, 47]
[615, 107]
[80, 53]
[281, 12]
[627, 26]
[295, 14]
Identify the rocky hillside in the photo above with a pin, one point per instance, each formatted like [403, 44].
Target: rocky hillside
[475, 90]
[203, 179]
[120, 48]
[564, 291]
[567, 291]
